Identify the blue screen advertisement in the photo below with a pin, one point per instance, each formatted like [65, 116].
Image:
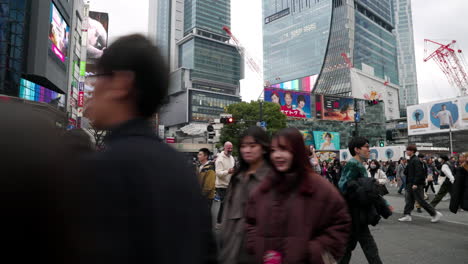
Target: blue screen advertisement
[327, 140]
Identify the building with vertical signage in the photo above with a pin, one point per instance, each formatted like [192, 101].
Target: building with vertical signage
[331, 45]
[406, 54]
[205, 67]
[77, 63]
[36, 60]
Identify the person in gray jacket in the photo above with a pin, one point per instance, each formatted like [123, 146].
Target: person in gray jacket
[401, 174]
[254, 150]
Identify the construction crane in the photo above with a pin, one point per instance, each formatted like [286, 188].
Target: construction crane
[249, 60]
[253, 65]
[242, 51]
[452, 63]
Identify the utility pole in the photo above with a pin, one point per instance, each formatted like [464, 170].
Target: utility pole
[261, 111]
[356, 123]
[451, 141]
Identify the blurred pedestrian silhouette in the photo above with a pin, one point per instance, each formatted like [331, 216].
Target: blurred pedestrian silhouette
[144, 202]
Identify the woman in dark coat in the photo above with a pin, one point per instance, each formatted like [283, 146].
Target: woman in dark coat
[296, 216]
[460, 186]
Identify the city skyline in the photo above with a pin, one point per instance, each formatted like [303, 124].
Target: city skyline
[247, 26]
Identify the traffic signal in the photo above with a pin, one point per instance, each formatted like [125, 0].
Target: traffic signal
[227, 120]
[381, 143]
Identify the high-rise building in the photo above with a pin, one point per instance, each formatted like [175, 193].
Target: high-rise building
[77, 63]
[304, 39]
[36, 61]
[406, 54]
[205, 67]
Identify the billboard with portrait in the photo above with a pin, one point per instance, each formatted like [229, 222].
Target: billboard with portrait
[334, 108]
[292, 103]
[98, 26]
[418, 118]
[345, 155]
[59, 34]
[463, 111]
[438, 116]
[327, 140]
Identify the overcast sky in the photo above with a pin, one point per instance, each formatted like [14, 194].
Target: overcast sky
[433, 19]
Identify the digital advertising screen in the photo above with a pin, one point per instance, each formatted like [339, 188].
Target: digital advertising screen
[98, 26]
[34, 92]
[327, 140]
[439, 116]
[59, 34]
[292, 103]
[335, 108]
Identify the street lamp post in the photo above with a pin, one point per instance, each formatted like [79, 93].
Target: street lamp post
[451, 141]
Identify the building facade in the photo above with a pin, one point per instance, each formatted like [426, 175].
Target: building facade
[333, 39]
[406, 54]
[205, 67]
[36, 61]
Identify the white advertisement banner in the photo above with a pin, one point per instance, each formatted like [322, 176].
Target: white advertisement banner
[439, 116]
[393, 153]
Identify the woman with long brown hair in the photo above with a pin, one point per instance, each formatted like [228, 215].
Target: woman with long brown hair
[295, 216]
[460, 186]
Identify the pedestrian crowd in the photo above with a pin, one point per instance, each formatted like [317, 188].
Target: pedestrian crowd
[138, 201]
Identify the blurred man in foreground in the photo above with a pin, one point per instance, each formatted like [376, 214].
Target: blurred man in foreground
[145, 204]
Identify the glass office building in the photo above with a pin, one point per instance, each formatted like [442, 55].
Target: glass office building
[307, 37]
[13, 33]
[406, 54]
[213, 65]
[163, 16]
[206, 15]
[375, 44]
[211, 60]
[295, 37]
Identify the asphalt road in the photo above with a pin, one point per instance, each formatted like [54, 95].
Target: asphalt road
[420, 241]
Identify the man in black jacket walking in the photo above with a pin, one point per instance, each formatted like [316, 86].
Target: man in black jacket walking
[415, 182]
[143, 204]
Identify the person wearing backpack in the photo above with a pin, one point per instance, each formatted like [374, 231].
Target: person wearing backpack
[447, 171]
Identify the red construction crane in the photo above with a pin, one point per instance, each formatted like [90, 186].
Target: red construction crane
[452, 63]
[251, 62]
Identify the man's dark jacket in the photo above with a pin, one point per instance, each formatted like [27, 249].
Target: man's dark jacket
[366, 206]
[415, 172]
[143, 203]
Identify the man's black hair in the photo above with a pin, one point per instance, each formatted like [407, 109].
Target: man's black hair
[138, 54]
[205, 151]
[300, 98]
[444, 157]
[357, 142]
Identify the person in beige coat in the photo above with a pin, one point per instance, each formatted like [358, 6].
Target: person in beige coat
[224, 169]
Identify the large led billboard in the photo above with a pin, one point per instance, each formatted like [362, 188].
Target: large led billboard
[98, 26]
[334, 108]
[292, 103]
[305, 84]
[59, 34]
[34, 92]
[438, 116]
[327, 140]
